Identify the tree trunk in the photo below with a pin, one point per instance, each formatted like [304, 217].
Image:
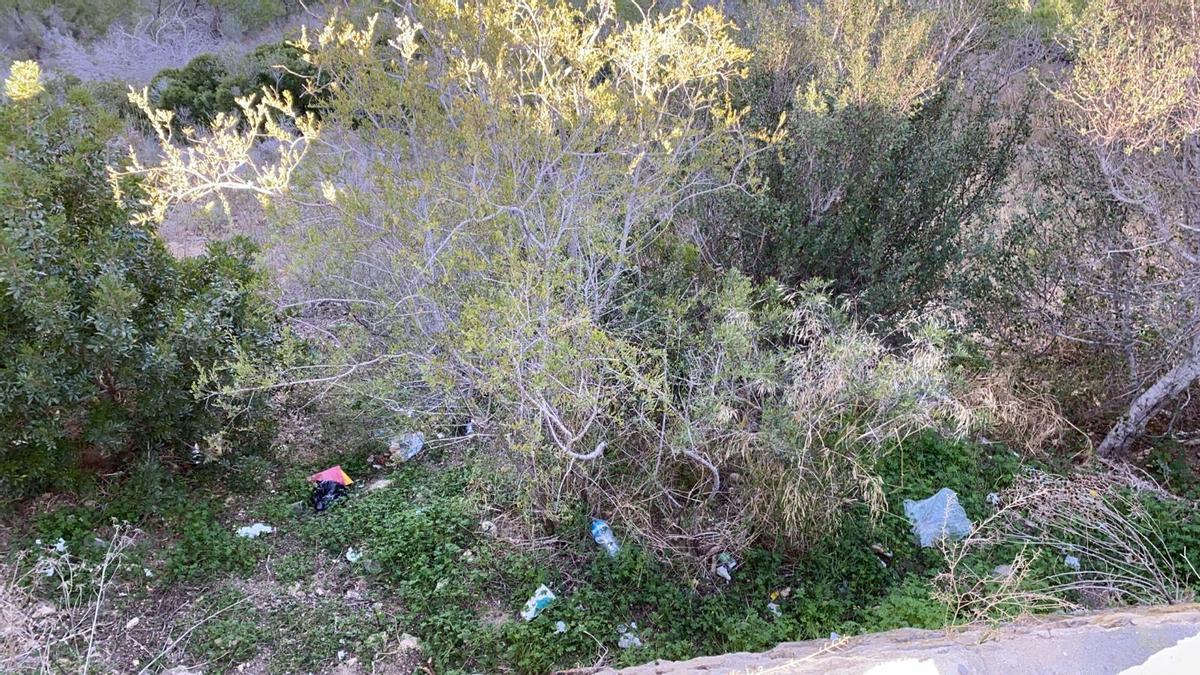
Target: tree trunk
[1132, 424]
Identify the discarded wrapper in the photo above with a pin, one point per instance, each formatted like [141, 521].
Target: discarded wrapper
[334, 474]
[540, 600]
[252, 531]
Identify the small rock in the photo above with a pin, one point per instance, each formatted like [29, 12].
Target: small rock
[409, 643]
[43, 610]
[380, 484]
[129, 625]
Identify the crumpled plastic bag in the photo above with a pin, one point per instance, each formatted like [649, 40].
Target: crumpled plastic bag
[938, 517]
[325, 493]
[252, 531]
[403, 448]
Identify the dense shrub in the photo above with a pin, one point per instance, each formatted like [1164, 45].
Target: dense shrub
[883, 158]
[104, 333]
[209, 85]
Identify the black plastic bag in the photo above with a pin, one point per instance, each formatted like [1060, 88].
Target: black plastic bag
[325, 493]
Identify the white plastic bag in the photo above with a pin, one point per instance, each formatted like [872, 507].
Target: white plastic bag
[938, 517]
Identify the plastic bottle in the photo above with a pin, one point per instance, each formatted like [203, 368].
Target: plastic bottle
[604, 536]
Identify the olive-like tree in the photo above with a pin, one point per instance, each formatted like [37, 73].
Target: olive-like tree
[1134, 96]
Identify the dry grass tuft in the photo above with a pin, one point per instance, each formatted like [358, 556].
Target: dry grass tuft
[1098, 522]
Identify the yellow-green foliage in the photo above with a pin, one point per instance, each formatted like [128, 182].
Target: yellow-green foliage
[1137, 79]
[24, 81]
[869, 53]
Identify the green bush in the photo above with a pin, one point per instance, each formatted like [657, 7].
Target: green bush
[105, 333]
[197, 91]
[207, 85]
[874, 200]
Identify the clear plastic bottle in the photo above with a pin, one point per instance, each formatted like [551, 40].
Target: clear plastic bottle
[604, 536]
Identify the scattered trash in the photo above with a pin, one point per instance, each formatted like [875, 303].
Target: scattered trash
[774, 609]
[725, 566]
[406, 446]
[540, 600]
[341, 655]
[1003, 571]
[993, 499]
[372, 566]
[560, 626]
[442, 583]
[1072, 562]
[937, 517]
[487, 527]
[353, 555]
[834, 637]
[60, 545]
[334, 474]
[468, 556]
[252, 531]
[148, 572]
[129, 625]
[379, 484]
[43, 564]
[883, 555]
[628, 639]
[781, 593]
[329, 486]
[325, 493]
[604, 536]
